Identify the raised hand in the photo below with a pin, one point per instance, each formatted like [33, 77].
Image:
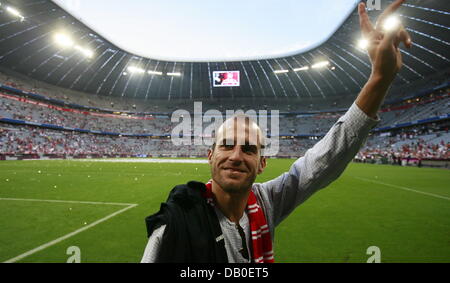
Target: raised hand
[383, 45]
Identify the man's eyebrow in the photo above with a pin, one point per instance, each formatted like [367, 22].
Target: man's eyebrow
[250, 142]
[226, 141]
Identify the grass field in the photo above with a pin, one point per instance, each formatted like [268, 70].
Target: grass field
[403, 211]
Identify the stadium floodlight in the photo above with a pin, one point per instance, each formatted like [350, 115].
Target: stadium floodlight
[86, 52]
[174, 74]
[363, 44]
[320, 64]
[301, 69]
[63, 40]
[391, 23]
[14, 12]
[134, 70]
[154, 73]
[280, 71]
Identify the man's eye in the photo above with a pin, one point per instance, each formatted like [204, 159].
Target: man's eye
[227, 146]
[249, 148]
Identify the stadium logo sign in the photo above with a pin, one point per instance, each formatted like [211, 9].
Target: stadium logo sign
[190, 131]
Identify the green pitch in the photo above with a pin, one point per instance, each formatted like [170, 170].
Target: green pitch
[405, 212]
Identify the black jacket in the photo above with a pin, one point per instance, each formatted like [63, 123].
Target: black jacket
[192, 232]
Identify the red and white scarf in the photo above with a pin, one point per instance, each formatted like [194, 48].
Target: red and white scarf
[261, 241]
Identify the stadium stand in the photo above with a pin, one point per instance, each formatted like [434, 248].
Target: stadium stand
[35, 125]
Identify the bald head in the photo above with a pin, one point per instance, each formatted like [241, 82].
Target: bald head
[240, 129]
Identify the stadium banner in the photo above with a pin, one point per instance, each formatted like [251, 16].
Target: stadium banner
[226, 78]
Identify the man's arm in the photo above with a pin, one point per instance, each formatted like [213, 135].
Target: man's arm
[320, 166]
[384, 54]
[153, 246]
[323, 163]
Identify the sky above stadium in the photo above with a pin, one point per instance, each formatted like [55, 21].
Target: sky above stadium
[205, 30]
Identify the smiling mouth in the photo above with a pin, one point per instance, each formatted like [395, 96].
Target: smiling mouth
[235, 170]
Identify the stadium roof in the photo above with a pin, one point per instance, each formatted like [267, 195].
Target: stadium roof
[43, 41]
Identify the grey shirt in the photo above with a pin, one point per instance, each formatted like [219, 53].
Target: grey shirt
[320, 165]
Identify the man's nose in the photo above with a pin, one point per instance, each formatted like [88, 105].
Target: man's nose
[236, 154]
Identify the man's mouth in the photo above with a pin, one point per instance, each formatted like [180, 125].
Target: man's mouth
[234, 170]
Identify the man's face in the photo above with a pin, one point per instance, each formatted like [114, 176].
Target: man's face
[236, 158]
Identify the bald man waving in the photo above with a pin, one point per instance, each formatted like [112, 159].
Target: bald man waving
[233, 219]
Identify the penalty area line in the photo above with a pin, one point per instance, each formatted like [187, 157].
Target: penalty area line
[60, 239]
[403, 188]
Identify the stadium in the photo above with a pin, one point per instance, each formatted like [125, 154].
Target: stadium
[87, 129]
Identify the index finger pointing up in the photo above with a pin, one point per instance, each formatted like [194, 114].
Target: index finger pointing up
[364, 21]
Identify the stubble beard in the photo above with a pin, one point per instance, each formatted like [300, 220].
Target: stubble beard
[232, 187]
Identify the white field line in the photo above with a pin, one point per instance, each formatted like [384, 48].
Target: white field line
[146, 160]
[403, 188]
[60, 239]
[69, 201]
[132, 160]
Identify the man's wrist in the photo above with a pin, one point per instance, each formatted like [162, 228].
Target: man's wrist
[380, 81]
[372, 95]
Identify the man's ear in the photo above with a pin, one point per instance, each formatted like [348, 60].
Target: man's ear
[262, 164]
[210, 153]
